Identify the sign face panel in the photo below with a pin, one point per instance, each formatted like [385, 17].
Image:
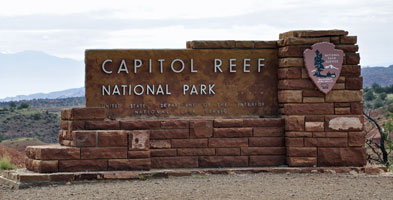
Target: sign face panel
[182, 83]
[323, 64]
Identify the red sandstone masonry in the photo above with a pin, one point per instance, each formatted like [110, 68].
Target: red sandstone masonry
[312, 135]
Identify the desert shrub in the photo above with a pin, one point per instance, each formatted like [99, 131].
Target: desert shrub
[5, 163]
[390, 108]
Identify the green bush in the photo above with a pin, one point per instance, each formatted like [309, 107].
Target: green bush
[390, 108]
[5, 163]
[378, 103]
[23, 106]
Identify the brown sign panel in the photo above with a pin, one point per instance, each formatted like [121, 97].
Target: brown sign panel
[323, 64]
[182, 83]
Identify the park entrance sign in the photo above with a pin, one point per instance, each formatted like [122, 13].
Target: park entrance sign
[216, 104]
[183, 83]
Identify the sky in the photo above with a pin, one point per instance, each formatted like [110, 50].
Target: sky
[66, 28]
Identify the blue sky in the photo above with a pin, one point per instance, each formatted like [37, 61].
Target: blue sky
[66, 28]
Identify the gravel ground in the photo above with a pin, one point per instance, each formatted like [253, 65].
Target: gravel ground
[236, 186]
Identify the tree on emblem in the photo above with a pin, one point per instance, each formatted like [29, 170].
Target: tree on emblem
[318, 64]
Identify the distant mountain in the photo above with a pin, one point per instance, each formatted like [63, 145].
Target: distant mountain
[75, 92]
[381, 75]
[30, 72]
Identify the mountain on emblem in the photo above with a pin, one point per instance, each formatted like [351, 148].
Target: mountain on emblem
[323, 64]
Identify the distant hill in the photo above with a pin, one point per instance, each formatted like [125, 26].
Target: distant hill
[381, 75]
[75, 92]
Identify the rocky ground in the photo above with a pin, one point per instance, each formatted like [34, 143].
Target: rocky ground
[235, 186]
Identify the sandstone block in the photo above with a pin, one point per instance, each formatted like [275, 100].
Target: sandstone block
[169, 134]
[139, 124]
[342, 111]
[293, 84]
[309, 109]
[290, 96]
[211, 44]
[228, 142]
[232, 132]
[352, 58]
[291, 51]
[262, 161]
[357, 108]
[138, 154]
[175, 124]
[290, 73]
[189, 143]
[85, 138]
[315, 126]
[223, 123]
[344, 123]
[342, 156]
[297, 134]
[83, 113]
[174, 162]
[325, 142]
[139, 140]
[348, 48]
[251, 151]
[301, 151]
[304, 73]
[356, 139]
[313, 33]
[354, 83]
[160, 144]
[294, 142]
[348, 39]
[99, 153]
[315, 118]
[266, 142]
[196, 152]
[245, 44]
[82, 165]
[335, 40]
[52, 152]
[201, 128]
[302, 161]
[42, 166]
[290, 62]
[342, 105]
[268, 131]
[112, 138]
[313, 93]
[228, 151]
[313, 100]
[102, 125]
[344, 96]
[263, 122]
[265, 44]
[223, 161]
[294, 123]
[350, 70]
[301, 41]
[339, 86]
[163, 152]
[129, 164]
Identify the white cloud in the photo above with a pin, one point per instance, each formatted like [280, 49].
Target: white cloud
[67, 28]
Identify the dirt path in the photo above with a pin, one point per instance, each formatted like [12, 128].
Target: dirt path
[237, 186]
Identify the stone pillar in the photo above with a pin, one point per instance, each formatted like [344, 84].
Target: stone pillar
[321, 130]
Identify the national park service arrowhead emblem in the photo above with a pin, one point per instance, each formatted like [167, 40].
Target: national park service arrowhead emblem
[323, 64]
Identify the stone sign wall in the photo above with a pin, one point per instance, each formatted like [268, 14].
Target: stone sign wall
[183, 83]
[298, 125]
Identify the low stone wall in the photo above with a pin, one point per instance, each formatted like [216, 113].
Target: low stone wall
[90, 143]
